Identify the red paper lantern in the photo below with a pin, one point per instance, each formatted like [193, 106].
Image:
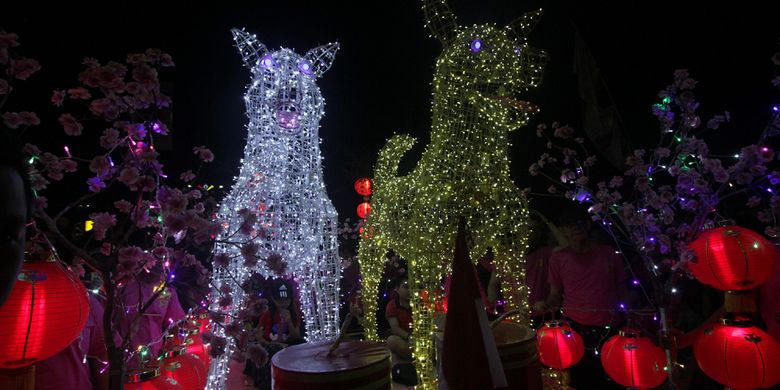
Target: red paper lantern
[633, 360]
[363, 186]
[46, 311]
[185, 368]
[150, 379]
[204, 323]
[738, 355]
[195, 346]
[732, 258]
[559, 346]
[363, 210]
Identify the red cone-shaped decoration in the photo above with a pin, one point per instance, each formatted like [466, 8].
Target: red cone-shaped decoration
[738, 355]
[46, 311]
[633, 360]
[732, 258]
[559, 346]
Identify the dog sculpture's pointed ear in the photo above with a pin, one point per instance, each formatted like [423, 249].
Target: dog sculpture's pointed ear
[321, 58]
[440, 20]
[249, 47]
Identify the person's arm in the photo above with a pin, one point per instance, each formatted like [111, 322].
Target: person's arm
[395, 328]
[295, 329]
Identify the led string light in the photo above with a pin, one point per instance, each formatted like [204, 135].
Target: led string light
[464, 171]
[281, 182]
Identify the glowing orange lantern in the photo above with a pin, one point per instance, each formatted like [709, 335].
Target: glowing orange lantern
[363, 186]
[150, 379]
[363, 210]
[738, 354]
[633, 360]
[559, 346]
[188, 370]
[732, 258]
[46, 311]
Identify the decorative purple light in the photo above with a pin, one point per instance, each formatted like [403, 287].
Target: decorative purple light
[636, 282]
[267, 61]
[775, 108]
[476, 46]
[287, 119]
[305, 67]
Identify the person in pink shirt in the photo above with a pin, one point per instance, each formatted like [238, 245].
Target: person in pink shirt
[82, 365]
[587, 280]
[146, 329]
[540, 248]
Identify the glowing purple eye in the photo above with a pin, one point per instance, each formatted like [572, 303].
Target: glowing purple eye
[305, 67]
[267, 61]
[476, 46]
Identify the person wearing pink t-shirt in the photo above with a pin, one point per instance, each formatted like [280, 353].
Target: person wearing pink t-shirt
[587, 280]
[82, 364]
[146, 329]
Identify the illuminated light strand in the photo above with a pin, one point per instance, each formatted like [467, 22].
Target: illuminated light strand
[464, 171]
[281, 182]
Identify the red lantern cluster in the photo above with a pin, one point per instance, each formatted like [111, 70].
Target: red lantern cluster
[150, 380]
[738, 355]
[363, 186]
[732, 258]
[364, 210]
[45, 312]
[188, 370]
[559, 346]
[633, 360]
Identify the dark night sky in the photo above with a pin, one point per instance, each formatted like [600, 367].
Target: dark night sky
[380, 81]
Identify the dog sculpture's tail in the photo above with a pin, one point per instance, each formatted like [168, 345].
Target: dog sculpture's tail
[389, 157]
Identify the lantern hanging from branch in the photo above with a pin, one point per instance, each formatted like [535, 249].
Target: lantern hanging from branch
[732, 258]
[46, 311]
[633, 360]
[560, 347]
[363, 186]
[364, 210]
[738, 354]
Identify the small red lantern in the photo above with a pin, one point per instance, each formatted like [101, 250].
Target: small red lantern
[364, 210]
[363, 186]
[559, 346]
[195, 346]
[46, 311]
[205, 323]
[732, 258]
[185, 368]
[633, 360]
[738, 355]
[150, 379]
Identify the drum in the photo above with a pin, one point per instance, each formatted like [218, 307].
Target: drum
[359, 365]
[517, 349]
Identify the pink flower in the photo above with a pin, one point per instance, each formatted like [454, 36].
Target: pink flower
[70, 124]
[616, 182]
[166, 60]
[105, 249]
[187, 176]
[258, 355]
[175, 202]
[79, 93]
[23, 67]
[145, 75]
[129, 258]
[102, 222]
[563, 132]
[8, 39]
[221, 260]
[109, 139]
[95, 184]
[129, 175]
[41, 202]
[123, 206]
[753, 201]
[276, 264]
[552, 190]
[203, 153]
[29, 118]
[199, 207]
[4, 88]
[105, 108]
[57, 97]
[540, 128]
[589, 162]
[12, 119]
[776, 58]
[100, 165]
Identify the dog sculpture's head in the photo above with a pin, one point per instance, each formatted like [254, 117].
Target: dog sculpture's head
[283, 98]
[486, 65]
